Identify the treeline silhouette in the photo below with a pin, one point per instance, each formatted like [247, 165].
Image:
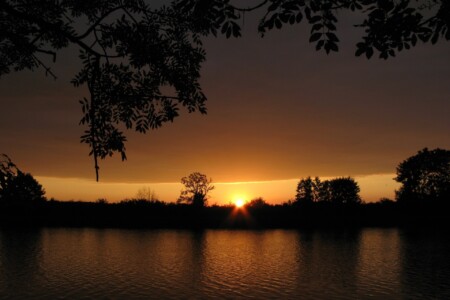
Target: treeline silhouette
[157, 214]
[422, 200]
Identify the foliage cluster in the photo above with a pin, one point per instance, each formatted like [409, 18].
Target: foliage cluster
[425, 177]
[344, 190]
[389, 26]
[139, 63]
[17, 187]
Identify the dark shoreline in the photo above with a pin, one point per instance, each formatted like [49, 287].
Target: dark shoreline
[159, 215]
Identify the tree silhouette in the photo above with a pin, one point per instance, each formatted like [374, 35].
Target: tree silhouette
[196, 189]
[141, 64]
[17, 187]
[344, 190]
[424, 176]
[308, 191]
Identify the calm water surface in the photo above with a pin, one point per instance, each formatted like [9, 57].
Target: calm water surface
[170, 264]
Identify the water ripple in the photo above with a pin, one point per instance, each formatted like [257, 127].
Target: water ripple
[274, 264]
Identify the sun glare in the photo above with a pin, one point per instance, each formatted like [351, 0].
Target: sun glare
[239, 202]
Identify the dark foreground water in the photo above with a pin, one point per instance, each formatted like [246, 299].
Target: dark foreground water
[164, 264]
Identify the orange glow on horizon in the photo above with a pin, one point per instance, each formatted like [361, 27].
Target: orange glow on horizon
[373, 187]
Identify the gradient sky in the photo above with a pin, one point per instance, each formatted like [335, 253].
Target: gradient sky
[277, 111]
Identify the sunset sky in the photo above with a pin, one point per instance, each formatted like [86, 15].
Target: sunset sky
[277, 111]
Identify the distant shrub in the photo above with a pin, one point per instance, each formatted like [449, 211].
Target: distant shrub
[257, 203]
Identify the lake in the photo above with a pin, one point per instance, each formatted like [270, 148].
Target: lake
[62, 263]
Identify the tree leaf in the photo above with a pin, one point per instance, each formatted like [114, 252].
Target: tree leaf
[360, 51]
[320, 44]
[369, 52]
[314, 37]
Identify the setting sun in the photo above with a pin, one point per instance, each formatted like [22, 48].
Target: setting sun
[239, 202]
